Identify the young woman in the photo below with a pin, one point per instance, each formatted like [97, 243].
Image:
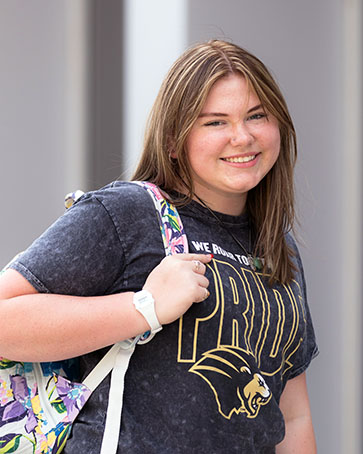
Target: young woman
[226, 374]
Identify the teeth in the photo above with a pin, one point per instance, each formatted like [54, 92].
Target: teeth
[240, 159]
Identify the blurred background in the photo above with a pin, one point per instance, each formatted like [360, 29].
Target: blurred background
[77, 79]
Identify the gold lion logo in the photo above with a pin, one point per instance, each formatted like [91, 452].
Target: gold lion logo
[237, 384]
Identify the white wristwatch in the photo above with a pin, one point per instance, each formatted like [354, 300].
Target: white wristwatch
[144, 303]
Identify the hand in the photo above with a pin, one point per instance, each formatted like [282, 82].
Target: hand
[176, 283]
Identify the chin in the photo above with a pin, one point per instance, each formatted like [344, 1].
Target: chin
[243, 189]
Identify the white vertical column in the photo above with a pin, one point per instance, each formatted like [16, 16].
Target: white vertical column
[78, 97]
[154, 36]
[352, 165]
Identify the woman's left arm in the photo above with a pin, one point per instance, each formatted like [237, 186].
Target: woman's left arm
[294, 404]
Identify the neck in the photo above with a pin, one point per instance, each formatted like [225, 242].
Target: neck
[234, 206]
[213, 210]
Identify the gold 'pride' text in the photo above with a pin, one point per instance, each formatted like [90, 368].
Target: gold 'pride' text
[268, 322]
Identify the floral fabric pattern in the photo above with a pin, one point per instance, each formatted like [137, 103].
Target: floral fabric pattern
[36, 410]
[172, 230]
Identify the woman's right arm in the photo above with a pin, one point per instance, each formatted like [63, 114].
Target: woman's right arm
[48, 327]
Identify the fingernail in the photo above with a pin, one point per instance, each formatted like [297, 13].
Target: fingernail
[211, 256]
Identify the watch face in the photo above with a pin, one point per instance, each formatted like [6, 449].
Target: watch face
[144, 299]
[144, 303]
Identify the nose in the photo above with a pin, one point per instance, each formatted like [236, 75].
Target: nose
[241, 136]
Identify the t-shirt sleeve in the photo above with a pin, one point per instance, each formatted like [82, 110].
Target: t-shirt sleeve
[308, 348]
[80, 254]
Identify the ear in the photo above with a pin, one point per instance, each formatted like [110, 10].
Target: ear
[171, 148]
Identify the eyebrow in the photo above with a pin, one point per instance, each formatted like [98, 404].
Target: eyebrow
[212, 114]
[220, 114]
[259, 106]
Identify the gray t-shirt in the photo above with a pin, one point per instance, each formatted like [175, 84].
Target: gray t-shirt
[212, 380]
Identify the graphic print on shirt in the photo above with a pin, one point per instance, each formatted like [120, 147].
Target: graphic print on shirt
[258, 340]
[226, 367]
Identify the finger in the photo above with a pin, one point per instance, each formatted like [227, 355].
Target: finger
[203, 281]
[198, 267]
[204, 258]
[197, 264]
[204, 294]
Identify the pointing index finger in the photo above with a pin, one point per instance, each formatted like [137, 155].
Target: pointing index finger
[204, 258]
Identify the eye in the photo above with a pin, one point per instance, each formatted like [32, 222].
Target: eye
[257, 116]
[215, 123]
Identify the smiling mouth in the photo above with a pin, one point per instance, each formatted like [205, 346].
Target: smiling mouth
[240, 159]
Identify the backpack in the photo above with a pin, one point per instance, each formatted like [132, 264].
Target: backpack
[38, 403]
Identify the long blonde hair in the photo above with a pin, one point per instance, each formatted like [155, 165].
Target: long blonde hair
[179, 102]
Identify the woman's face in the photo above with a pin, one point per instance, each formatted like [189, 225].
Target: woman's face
[232, 145]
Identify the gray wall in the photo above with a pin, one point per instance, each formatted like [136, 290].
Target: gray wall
[106, 163]
[32, 126]
[60, 109]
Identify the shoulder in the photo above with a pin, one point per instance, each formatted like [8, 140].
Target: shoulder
[292, 245]
[117, 199]
[125, 204]
[118, 193]
[296, 259]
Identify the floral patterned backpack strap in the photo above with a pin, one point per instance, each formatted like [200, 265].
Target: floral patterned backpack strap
[171, 226]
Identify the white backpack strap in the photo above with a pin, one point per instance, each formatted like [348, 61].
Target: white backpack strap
[116, 360]
[115, 398]
[104, 367]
